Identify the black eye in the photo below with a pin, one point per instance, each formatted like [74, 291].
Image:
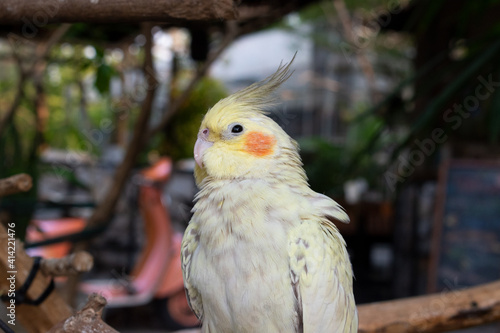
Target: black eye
[237, 128]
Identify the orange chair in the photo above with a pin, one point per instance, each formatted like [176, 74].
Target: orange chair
[40, 230]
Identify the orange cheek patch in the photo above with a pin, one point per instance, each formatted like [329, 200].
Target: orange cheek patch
[259, 144]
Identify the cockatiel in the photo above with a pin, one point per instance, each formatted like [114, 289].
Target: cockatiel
[261, 253]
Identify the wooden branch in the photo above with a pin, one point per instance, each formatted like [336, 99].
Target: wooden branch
[88, 319]
[74, 263]
[433, 313]
[43, 49]
[34, 319]
[112, 11]
[15, 184]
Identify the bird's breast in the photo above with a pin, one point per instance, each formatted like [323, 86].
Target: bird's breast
[242, 212]
[241, 265]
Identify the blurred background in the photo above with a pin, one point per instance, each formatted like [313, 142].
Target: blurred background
[395, 104]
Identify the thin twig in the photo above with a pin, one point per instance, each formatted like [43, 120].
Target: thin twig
[43, 49]
[42, 52]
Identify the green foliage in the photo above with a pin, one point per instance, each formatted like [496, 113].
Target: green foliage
[324, 164]
[180, 134]
[69, 120]
[104, 73]
[328, 165]
[75, 103]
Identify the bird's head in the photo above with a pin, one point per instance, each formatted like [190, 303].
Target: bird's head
[237, 139]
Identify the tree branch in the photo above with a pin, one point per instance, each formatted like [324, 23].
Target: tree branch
[114, 11]
[37, 65]
[15, 184]
[88, 319]
[74, 263]
[43, 49]
[433, 313]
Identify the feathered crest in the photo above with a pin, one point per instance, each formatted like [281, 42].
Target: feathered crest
[259, 96]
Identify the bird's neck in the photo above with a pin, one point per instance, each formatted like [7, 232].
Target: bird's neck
[231, 213]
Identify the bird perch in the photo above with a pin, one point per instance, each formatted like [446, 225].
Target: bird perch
[441, 312]
[88, 319]
[15, 184]
[36, 13]
[78, 262]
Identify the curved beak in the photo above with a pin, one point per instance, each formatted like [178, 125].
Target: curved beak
[201, 145]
